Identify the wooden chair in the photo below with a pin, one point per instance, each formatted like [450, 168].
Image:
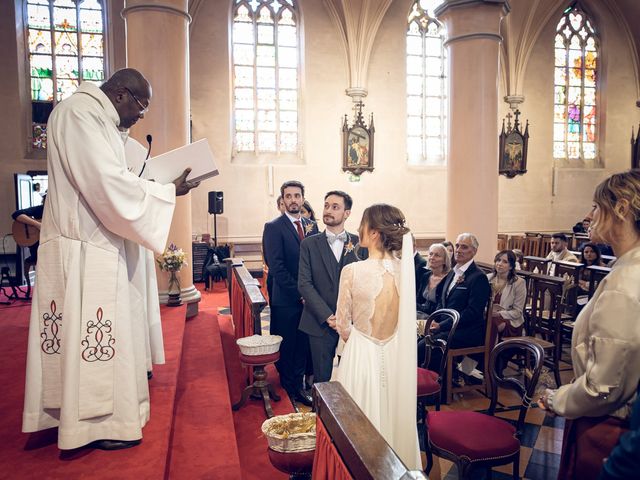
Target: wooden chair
[490, 336]
[531, 246]
[503, 241]
[475, 440]
[545, 245]
[596, 274]
[579, 239]
[607, 259]
[545, 319]
[571, 274]
[536, 264]
[516, 241]
[430, 381]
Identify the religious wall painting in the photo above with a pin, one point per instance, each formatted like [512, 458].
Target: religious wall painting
[358, 144]
[513, 147]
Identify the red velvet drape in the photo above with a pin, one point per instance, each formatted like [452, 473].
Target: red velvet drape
[237, 307]
[327, 464]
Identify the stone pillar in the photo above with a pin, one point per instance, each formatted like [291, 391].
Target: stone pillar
[473, 32]
[158, 46]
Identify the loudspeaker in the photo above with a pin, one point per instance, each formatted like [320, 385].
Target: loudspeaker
[216, 203]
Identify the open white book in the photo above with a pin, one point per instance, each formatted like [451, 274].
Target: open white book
[165, 168]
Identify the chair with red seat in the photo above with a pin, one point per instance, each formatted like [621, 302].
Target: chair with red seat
[430, 381]
[474, 440]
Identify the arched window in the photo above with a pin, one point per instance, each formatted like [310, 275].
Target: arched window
[426, 86]
[265, 76]
[576, 90]
[66, 47]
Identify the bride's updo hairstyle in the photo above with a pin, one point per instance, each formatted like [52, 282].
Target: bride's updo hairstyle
[389, 222]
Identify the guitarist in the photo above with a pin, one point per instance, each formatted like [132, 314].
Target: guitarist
[31, 216]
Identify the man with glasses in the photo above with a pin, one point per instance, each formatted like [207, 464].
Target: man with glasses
[86, 362]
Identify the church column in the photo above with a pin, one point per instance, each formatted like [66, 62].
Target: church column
[473, 43]
[158, 45]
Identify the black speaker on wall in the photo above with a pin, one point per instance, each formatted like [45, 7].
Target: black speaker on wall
[216, 203]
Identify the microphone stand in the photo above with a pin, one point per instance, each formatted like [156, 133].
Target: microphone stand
[149, 140]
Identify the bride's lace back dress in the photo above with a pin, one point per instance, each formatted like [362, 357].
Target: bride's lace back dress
[367, 319]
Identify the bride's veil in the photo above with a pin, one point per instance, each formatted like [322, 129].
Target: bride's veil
[406, 374]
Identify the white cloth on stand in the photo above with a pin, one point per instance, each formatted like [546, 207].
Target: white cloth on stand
[86, 362]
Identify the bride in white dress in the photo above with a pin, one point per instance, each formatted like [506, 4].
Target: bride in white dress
[376, 317]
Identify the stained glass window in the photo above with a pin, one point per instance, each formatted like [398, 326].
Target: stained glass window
[265, 76]
[426, 86]
[66, 47]
[575, 86]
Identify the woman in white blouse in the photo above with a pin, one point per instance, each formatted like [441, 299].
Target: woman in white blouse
[606, 338]
[509, 292]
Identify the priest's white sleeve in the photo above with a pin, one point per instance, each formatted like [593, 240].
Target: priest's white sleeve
[130, 207]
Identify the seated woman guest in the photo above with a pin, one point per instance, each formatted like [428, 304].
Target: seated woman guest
[509, 292]
[605, 346]
[438, 265]
[591, 256]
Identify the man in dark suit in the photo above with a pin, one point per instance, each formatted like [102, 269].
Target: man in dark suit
[269, 280]
[322, 258]
[466, 290]
[281, 240]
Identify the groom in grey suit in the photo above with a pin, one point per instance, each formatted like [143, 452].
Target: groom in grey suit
[322, 258]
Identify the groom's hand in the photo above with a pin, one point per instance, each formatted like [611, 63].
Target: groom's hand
[331, 321]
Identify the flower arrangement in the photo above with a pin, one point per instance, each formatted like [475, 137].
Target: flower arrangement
[172, 260]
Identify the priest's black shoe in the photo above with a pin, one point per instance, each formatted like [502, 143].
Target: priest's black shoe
[303, 397]
[114, 444]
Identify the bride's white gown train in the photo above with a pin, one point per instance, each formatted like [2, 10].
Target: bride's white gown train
[377, 367]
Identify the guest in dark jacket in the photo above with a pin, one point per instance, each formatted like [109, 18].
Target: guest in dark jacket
[624, 461]
[466, 290]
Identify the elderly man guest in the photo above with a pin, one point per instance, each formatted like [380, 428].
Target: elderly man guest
[466, 290]
[86, 365]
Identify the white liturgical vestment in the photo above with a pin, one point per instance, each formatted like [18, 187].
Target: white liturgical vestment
[142, 271]
[86, 362]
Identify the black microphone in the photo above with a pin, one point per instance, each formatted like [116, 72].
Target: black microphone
[149, 140]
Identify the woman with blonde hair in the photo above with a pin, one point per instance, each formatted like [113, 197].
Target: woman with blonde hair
[605, 346]
[376, 317]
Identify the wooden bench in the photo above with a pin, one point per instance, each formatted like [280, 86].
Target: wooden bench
[251, 255]
[352, 438]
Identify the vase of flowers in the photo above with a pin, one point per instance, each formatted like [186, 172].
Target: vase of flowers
[172, 260]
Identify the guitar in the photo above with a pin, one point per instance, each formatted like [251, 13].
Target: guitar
[23, 234]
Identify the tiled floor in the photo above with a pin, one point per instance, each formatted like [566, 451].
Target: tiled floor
[541, 439]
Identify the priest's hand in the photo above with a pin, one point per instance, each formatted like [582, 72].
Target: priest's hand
[182, 185]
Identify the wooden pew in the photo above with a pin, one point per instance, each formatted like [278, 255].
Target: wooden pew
[363, 450]
[535, 264]
[251, 255]
[596, 274]
[531, 245]
[245, 298]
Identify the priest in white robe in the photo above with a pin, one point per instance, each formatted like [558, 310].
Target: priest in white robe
[86, 362]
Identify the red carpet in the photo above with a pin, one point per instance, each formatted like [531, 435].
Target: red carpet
[204, 441]
[27, 456]
[192, 433]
